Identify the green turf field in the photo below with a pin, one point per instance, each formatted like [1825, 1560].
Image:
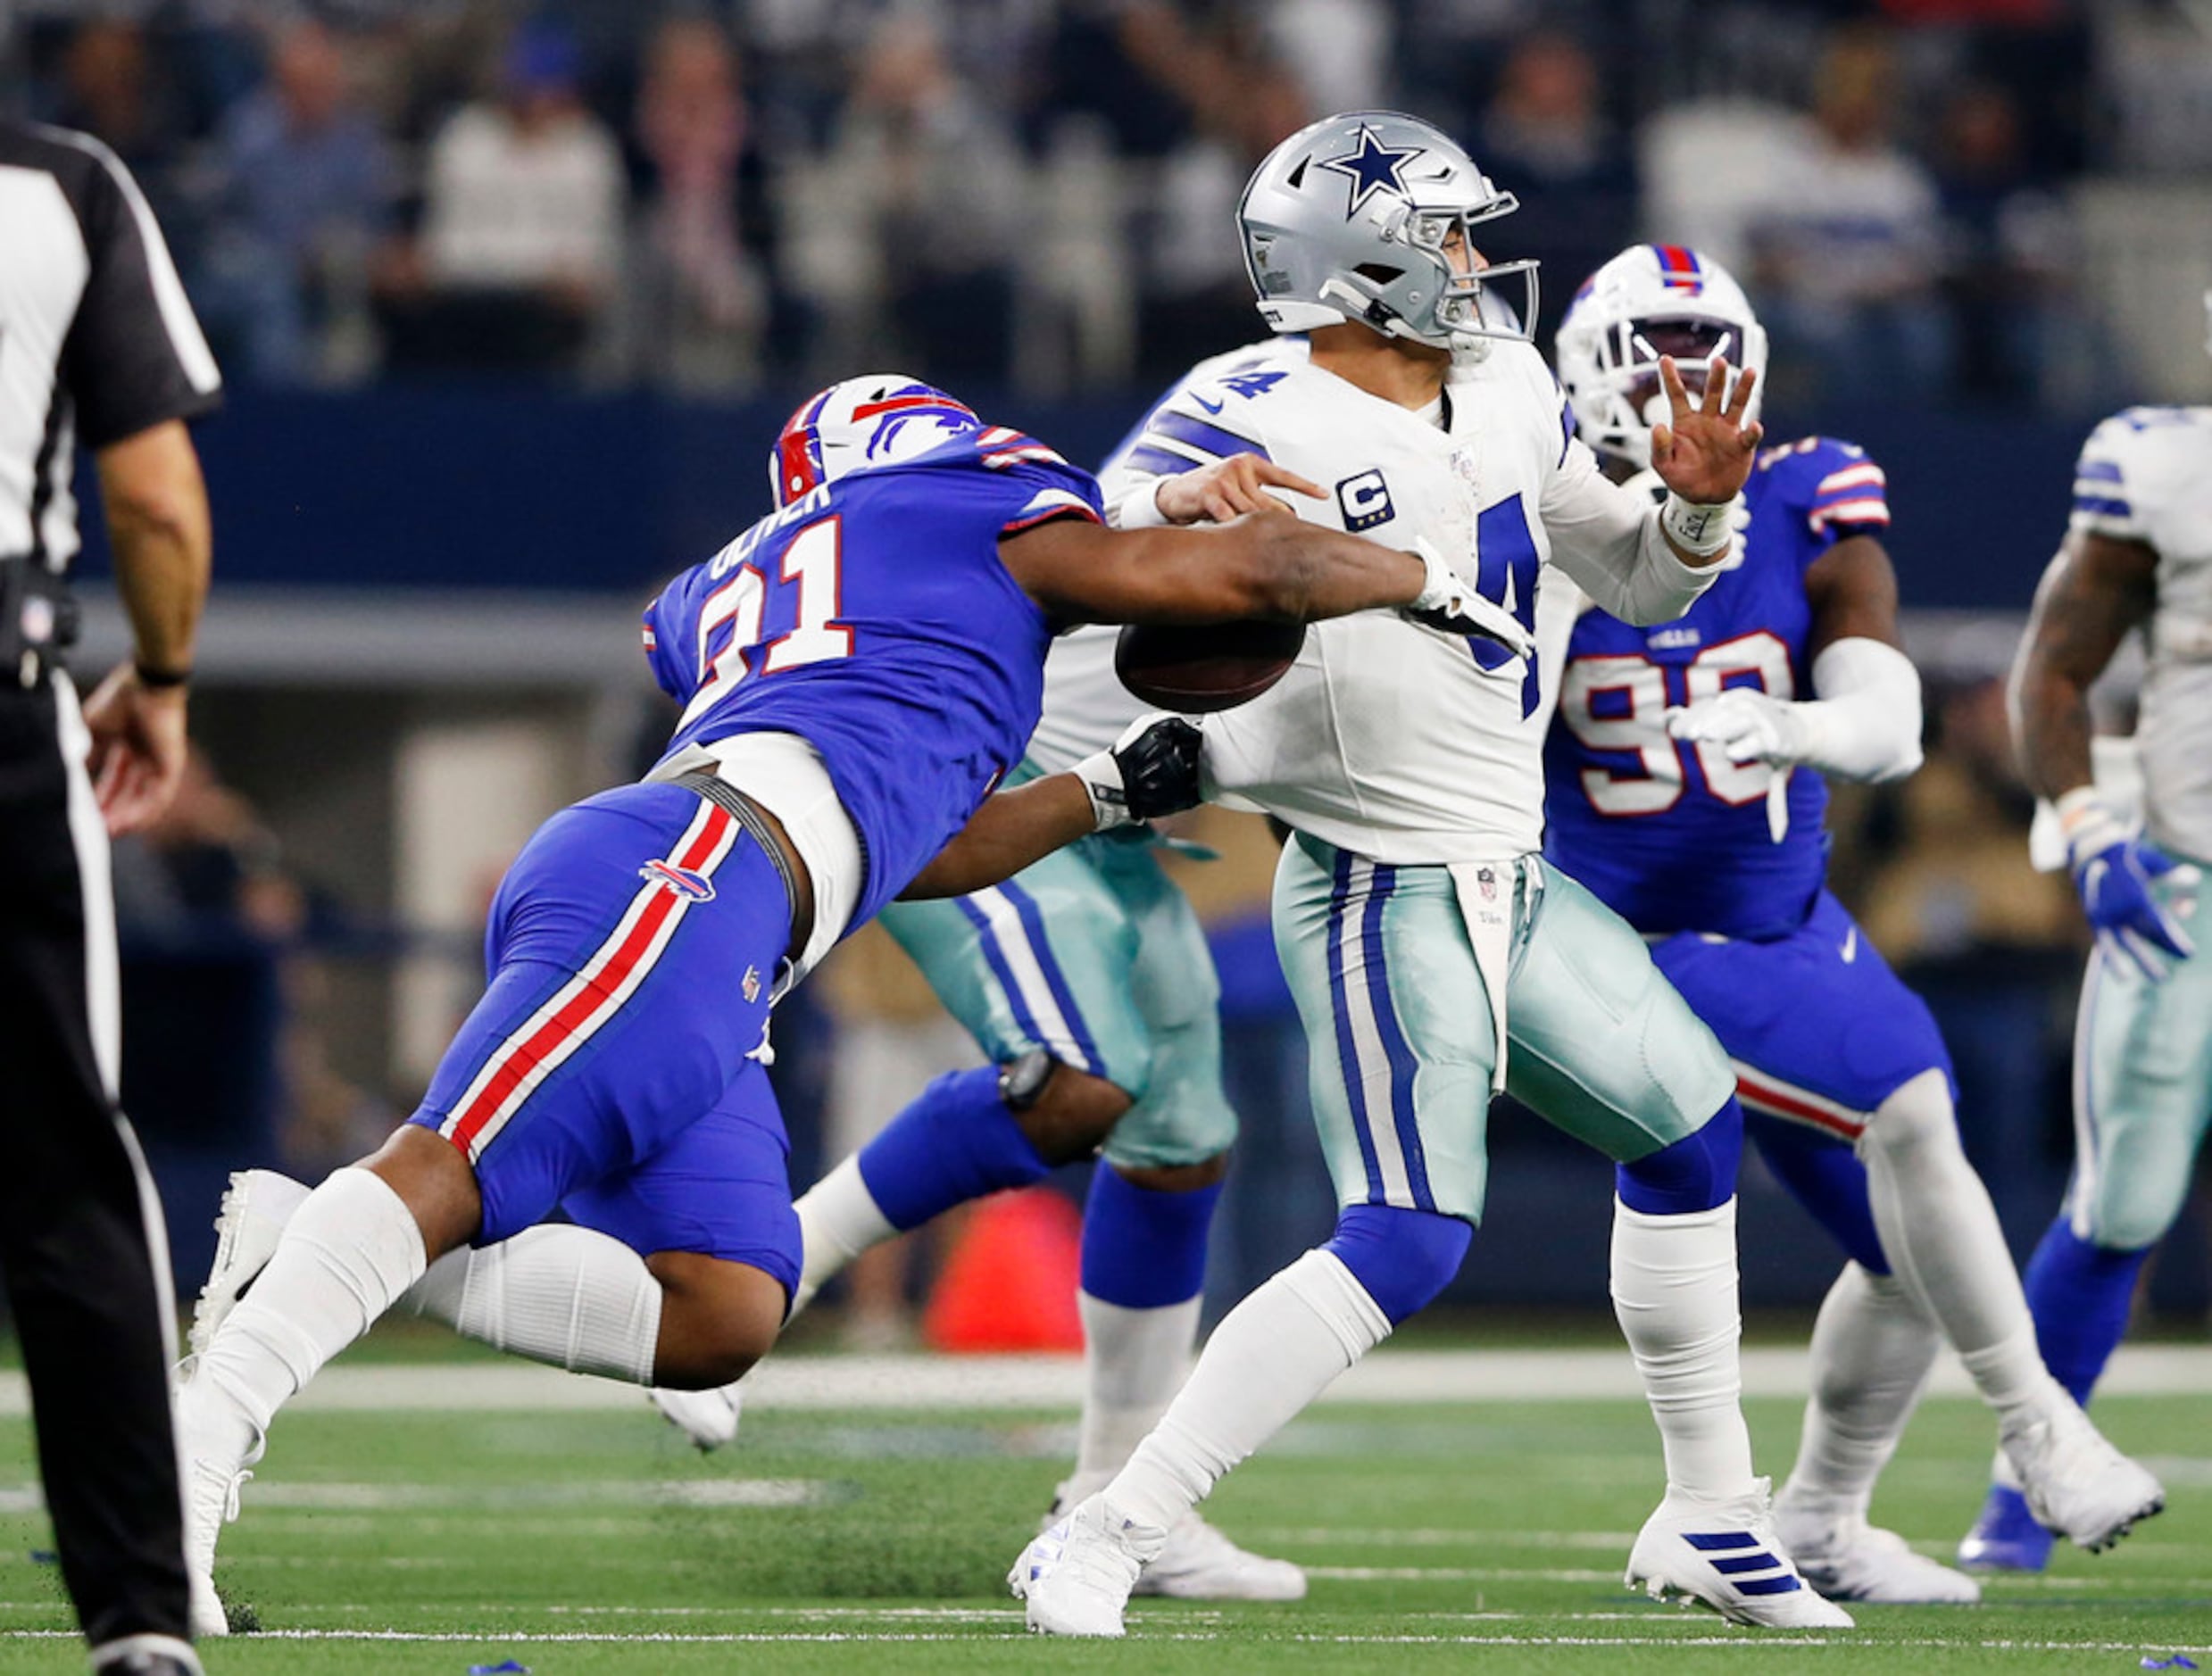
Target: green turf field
[1486, 1535]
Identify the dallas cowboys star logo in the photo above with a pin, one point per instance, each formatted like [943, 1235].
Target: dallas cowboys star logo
[1373, 168]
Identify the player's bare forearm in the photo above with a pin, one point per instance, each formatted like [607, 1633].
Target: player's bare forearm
[1011, 831]
[157, 521]
[2094, 592]
[1268, 566]
[1852, 590]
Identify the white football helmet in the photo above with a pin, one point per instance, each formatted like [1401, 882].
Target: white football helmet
[875, 420]
[1347, 219]
[1652, 300]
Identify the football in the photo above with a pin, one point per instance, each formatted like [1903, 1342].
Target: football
[1194, 671]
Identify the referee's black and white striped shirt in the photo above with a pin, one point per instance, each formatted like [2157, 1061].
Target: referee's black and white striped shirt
[97, 340]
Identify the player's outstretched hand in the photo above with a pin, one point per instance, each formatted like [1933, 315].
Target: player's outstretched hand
[137, 757]
[2131, 923]
[1705, 455]
[1747, 724]
[1229, 488]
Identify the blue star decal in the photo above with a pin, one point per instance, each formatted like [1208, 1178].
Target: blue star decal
[1373, 168]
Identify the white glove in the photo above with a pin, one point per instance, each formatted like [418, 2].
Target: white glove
[1747, 724]
[1447, 602]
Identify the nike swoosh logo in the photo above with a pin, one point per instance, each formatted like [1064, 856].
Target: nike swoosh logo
[1850, 946]
[1211, 407]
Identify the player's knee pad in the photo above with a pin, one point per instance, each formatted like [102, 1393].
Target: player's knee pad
[1696, 1173]
[1403, 1259]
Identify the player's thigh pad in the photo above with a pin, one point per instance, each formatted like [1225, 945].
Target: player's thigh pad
[1599, 1042]
[721, 1187]
[635, 941]
[1820, 1029]
[1183, 1117]
[1398, 1028]
[2142, 1089]
[1043, 960]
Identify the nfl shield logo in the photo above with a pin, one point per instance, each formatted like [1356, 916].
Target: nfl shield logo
[752, 984]
[1488, 882]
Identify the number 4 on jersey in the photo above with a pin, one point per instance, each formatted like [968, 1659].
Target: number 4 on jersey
[1506, 561]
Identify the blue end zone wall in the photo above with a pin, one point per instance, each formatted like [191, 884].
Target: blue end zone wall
[497, 488]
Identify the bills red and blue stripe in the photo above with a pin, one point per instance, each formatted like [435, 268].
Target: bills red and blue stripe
[873, 618]
[632, 948]
[1679, 269]
[1372, 1054]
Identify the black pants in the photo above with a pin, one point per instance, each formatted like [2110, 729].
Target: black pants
[81, 1248]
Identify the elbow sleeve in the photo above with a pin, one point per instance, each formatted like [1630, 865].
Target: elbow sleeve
[1865, 722]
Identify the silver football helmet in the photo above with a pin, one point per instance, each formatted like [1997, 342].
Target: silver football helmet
[1352, 218]
[1652, 300]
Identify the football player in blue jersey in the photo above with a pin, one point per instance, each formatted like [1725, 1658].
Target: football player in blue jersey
[859, 670]
[1686, 768]
[2132, 822]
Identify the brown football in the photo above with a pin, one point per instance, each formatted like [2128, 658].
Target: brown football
[1197, 670]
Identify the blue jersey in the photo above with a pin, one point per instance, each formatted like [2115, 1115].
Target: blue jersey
[873, 618]
[1673, 836]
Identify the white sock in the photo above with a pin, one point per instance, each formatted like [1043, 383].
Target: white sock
[1873, 1350]
[348, 1252]
[1675, 1293]
[571, 1297]
[1271, 1355]
[1133, 1362]
[838, 1219]
[1940, 1234]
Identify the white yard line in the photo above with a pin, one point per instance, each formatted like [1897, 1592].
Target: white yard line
[1055, 1382]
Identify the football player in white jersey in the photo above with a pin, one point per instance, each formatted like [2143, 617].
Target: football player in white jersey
[2137, 556]
[1422, 936]
[1715, 848]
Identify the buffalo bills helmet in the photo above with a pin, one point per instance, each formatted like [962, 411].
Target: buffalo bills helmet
[1652, 300]
[877, 419]
[1353, 217]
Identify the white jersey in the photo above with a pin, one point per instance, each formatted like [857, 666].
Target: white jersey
[1085, 706]
[1397, 742]
[2146, 475]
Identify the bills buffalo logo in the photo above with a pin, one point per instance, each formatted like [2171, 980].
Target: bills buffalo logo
[691, 886]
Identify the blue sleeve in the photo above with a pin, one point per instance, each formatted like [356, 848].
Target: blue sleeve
[1836, 489]
[665, 649]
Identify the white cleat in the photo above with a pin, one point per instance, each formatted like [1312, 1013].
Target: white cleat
[1845, 1558]
[1200, 1564]
[1726, 1555]
[1078, 1575]
[210, 1434]
[709, 1418]
[2076, 1482]
[256, 1205]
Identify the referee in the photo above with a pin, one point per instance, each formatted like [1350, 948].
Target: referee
[97, 346]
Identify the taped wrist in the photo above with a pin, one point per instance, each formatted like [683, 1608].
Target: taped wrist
[1702, 530]
[2088, 824]
[1138, 507]
[1100, 778]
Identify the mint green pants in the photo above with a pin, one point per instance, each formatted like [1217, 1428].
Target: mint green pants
[1398, 1025]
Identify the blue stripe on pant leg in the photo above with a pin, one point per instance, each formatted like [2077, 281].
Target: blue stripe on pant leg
[1055, 980]
[1347, 1050]
[995, 957]
[1402, 1064]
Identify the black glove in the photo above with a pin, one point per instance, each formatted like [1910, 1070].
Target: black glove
[1152, 771]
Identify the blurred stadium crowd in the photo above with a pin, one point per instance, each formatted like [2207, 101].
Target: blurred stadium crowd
[708, 196]
[1938, 204]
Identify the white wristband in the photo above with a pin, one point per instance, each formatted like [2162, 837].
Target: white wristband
[2088, 823]
[1138, 508]
[1100, 778]
[1702, 530]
